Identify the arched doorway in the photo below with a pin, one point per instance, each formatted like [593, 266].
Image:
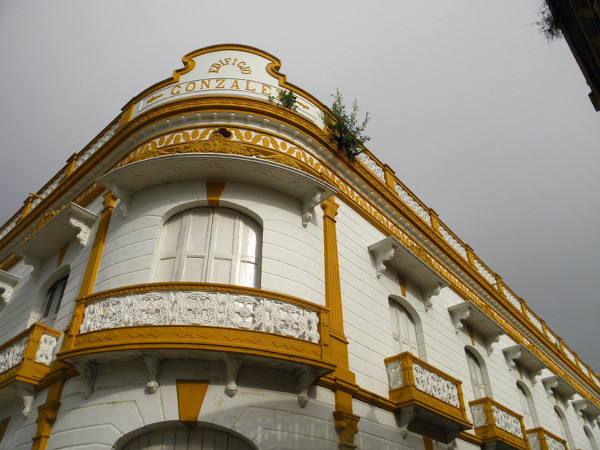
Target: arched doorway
[176, 436]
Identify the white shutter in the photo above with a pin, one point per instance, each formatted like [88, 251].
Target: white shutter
[476, 376]
[403, 328]
[216, 245]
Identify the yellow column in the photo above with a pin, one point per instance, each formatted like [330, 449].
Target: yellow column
[343, 379]
[47, 414]
[89, 278]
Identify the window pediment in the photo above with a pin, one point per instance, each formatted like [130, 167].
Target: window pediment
[559, 386]
[53, 231]
[391, 252]
[138, 176]
[519, 355]
[469, 314]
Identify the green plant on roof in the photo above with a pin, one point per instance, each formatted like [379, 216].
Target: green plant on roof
[345, 126]
[286, 98]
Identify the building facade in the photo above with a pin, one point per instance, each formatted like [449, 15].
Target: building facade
[212, 272]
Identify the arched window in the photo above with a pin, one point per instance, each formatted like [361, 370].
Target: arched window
[563, 426]
[52, 301]
[178, 436]
[403, 328]
[526, 407]
[214, 245]
[476, 374]
[591, 440]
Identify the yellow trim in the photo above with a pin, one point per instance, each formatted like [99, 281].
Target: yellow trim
[383, 189]
[492, 433]
[28, 370]
[214, 190]
[541, 435]
[87, 285]
[428, 443]
[190, 396]
[402, 283]
[61, 255]
[3, 427]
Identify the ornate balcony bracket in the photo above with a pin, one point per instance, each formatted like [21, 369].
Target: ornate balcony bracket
[404, 418]
[469, 314]
[127, 180]
[54, 231]
[308, 205]
[232, 368]
[87, 370]
[413, 266]
[26, 393]
[8, 281]
[152, 363]
[306, 377]
[518, 356]
[586, 408]
[556, 384]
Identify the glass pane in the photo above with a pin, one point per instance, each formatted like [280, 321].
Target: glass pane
[165, 270]
[220, 271]
[247, 275]
[193, 269]
[199, 231]
[224, 239]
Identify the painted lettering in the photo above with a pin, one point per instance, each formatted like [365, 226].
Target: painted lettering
[190, 86]
[178, 88]
[220, 83]
[242, 65]
[205, 84]
[248, 86]
[266, 89]
[235, 85]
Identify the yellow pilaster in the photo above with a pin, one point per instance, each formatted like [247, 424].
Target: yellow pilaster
[343, 378]
[91, 270]
[47, 414]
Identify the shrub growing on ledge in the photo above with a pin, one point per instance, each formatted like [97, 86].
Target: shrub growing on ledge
[345, 127]
[287, 99]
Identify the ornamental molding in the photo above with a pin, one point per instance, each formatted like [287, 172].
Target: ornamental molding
[205, 308]
[556, 384]
[45, 352]
[519, 356]
[8, 281]
[507, 422]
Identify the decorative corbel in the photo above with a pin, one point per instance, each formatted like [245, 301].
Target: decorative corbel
[549, 384]
[124, 196]
[27, 395]
[232, 368]
[512, 354]
[308, 206]
[381, 256]
[152, 363]
[346, 426]
[489, 343]
[8, 281]
[35, 263]
[84, 230]
[87, 370]
[429, 293]
[579, 406]
[459, 316]
[306, 377]
[535, 376]
[404, 418]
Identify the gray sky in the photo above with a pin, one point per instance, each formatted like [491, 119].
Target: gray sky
[486, 122]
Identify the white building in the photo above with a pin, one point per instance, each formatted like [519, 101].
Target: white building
[212, 272]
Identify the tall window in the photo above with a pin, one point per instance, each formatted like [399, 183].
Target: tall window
[525, 407]
[215, 245]
[54, 296]
[476, 376]
[403, 327]
[591, 440]
[563, 426]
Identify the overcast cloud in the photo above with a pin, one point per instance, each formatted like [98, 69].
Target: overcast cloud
[486, 122]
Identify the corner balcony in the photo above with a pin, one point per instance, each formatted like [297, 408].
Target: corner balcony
[230, 325]
[24, 361]
[540, 439]
[428, 401]
[497, 425]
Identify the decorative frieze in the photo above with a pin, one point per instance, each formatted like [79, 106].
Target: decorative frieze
[205, 308]
[433, 384]
[484, 272]
[96, 146]
[460, 249]
[507, 422]
[13, 355]
[8, 281]
[394, 372]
